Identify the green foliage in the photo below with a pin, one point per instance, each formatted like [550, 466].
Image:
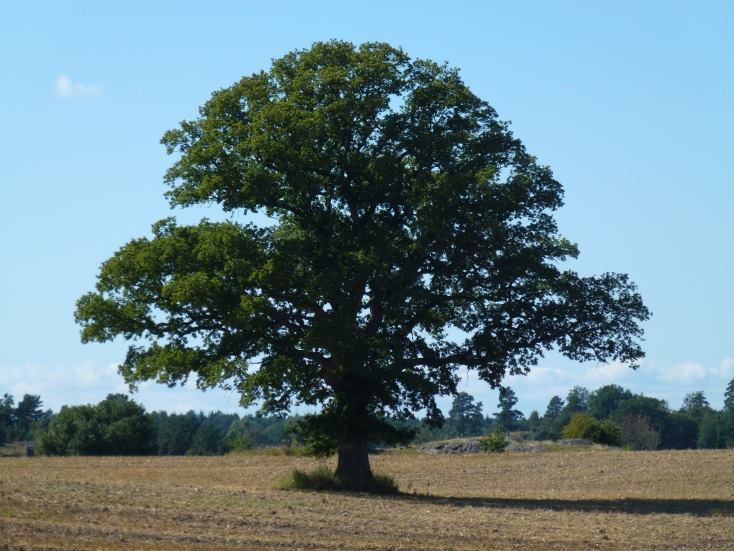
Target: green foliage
[577, 400]
[696, 406]
[424, 431]
[694, 401]
[555, 406]
[323, 479]
[253, 432]
[400, 206]
[507, 417]
[210, 437]
[676, 430]
[579, 426]
[558, 413]
[583, 425]
[553, 421]
[116, 426]
[192, 433]
[207, 440]
[21, 421]
[712, 430]
[604, 401]
[6, 418]
[494, 442]
[729, 397]
[465, 417]
[175, 432]
[727, 418]
[27, 413]
[644, 424]
[607, 432]
[321, 438]
[534, 421]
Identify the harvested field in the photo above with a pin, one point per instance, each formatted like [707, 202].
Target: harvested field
[556, 500]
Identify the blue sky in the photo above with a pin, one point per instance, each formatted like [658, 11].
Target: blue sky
[630, 103]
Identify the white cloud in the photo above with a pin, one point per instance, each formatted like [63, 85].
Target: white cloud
[67, 88]
[62, 385]
[726, 369]
[594, 376]
[692, 371]
[182, 398]
[614, 372]
[547, 376]
[87, 376]
[682, 373]
[89, 383]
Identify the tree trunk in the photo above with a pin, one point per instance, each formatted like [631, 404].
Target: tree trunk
[353, 466]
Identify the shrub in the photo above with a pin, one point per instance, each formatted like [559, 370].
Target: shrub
[115, 426]
[583, 425]
[323, 479]
[320, 479]
[494, 442]
[579, 426]
[607, 433]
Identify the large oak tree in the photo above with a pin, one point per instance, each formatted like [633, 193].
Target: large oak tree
[411, 235]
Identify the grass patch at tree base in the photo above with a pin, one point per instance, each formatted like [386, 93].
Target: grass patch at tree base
[323, 479]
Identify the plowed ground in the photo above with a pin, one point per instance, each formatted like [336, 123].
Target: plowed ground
[555, 500]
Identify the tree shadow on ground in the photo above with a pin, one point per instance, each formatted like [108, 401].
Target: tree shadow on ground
[637, 506]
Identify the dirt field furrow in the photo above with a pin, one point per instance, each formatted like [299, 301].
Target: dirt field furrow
[610, 500]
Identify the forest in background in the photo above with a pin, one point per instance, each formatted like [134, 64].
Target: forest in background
[609, 415]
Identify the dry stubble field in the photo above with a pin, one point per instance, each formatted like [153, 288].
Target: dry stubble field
[555, 500]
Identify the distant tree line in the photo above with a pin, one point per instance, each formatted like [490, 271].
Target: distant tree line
[120, 426]
[610, 415]
[18, 422]
[614, 415]
[466, 418]
[216, 433]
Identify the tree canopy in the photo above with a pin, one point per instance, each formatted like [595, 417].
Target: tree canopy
[729, 397]
[507, 417]
[115, 426]
[555, 406]
[465, 416]
[605, 400]
[410, 234]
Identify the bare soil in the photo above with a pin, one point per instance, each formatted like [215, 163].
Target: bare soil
[567, 500]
